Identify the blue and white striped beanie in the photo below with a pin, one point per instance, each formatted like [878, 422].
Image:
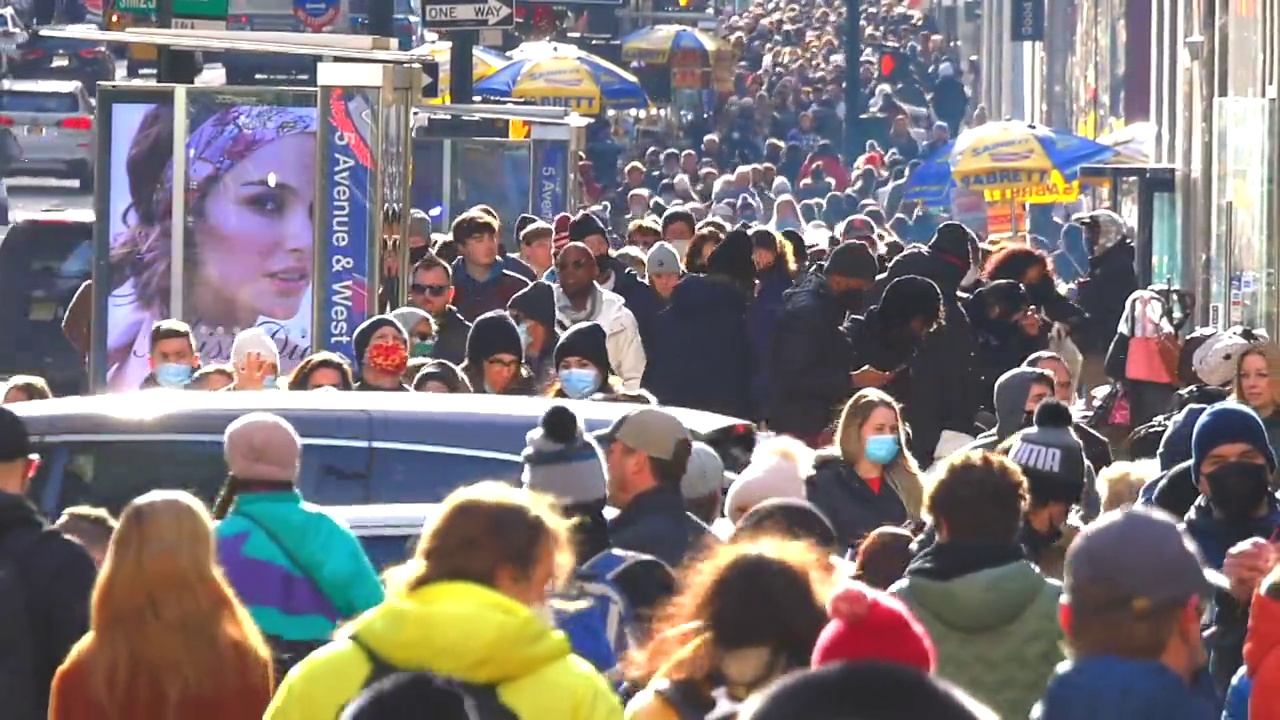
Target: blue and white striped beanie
[563, 461]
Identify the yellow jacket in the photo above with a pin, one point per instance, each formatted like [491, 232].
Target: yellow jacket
[460, 630]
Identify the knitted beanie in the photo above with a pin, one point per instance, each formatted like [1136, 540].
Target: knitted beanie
[1228, 423]
[563, 461]
[769, 477]
[254, 340]
[869, 624]
[363, 335]
[262, 446]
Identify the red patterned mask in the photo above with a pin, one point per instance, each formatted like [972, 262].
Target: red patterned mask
[388, 356]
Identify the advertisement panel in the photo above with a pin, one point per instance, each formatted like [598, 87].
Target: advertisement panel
[133, 208]
[347, 173]
[248, 244]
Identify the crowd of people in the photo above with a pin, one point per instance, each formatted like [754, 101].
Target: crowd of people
[939, 520]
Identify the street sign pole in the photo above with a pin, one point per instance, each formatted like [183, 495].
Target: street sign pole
[460, 78]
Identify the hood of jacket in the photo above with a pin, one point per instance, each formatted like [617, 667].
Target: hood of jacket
[920, 261]
[462, 630]
[1011, 399]
[702, 295]
[1263, 638]
[610, 309]
[984, 600]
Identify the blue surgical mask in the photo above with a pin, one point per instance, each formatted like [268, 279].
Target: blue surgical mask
[525, 337]
[881, 449]
[269, 382]
[579, 383]
[173, 375]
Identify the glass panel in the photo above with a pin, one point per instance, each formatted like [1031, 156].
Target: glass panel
[423, 476]
[493, 172]
[1239, 257]
[1166, 241]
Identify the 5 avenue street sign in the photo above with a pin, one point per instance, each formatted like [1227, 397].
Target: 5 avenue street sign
[477, 15]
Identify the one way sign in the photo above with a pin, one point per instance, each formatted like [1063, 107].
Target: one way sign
[489, 14]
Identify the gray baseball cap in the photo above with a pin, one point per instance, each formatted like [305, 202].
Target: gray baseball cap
[1136, 558]
[705, 473]
[654, 432]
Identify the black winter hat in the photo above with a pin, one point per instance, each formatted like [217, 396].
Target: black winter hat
[866, 691]
[523, 222]
[587, 341]
[584, 225]
[364, 333]
[537, 301]
[910, 297]
[493, 333]
[955, 243]
[852, 260]
[732, 258]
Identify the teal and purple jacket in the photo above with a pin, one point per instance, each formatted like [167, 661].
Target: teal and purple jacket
[298, 571]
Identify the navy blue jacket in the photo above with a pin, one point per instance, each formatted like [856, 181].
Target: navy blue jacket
[702, 356]
[762, 321]
[655, 523]
[849, 503]
[641, 299]
[1114, 688]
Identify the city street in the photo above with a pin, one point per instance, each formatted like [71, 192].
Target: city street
[28, 195]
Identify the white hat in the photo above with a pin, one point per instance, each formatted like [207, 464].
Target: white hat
[254, 340]
[704, 474]
[1215, 361]
[777, 470]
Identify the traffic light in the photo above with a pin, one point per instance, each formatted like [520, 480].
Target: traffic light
[891, 67]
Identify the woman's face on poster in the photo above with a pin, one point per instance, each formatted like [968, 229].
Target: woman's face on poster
[256, 240]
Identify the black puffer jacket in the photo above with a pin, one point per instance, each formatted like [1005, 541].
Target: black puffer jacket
[1102, 295]
[943, 390]
[812, 360]
[451, 336]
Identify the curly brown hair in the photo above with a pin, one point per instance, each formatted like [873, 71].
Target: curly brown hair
[763, 591]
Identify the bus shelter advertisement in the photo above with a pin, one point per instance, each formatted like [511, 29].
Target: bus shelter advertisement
[247, 248]
[344, 225]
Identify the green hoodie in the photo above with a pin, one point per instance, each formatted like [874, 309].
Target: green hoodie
[996, 632]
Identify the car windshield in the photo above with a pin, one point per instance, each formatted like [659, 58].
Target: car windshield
[38, 102]
[387, 550]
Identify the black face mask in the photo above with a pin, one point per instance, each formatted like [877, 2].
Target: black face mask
[603, 262]
[1042, 290]
[1237, 489]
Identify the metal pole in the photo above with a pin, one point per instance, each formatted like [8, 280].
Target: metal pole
[164, 58]
[382, 22]
[460, 68]
[854, 98]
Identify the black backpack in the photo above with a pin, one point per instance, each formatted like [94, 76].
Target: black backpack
[691, 701]
[19, 686]
[390, 693]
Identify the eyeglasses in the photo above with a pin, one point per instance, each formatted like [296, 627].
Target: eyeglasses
[435, 290]
[508, 364]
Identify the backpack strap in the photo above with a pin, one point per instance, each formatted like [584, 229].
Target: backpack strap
[380, 667]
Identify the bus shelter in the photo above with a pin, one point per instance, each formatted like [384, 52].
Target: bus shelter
[280, 208]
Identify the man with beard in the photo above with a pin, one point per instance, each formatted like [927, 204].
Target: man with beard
[811, 352]
[614, 276]
[579, 299]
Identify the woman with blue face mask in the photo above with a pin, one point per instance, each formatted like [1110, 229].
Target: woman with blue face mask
[582, 364]
[869, 478]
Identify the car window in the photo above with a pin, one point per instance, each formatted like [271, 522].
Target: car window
[361, 7]
[110, 474]
[336, 475]
[39, 102]
[387, 550]
[402, 475]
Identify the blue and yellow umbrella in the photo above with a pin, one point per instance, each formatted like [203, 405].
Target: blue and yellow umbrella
[661, 44]
[576, 80]
[1007, 161]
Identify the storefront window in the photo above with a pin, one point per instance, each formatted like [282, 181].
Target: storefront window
[1240, 283]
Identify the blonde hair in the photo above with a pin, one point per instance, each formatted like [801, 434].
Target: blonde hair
[1269, 352]
[482, 528]
[164, 621]
[902, 473]
[1118, 483]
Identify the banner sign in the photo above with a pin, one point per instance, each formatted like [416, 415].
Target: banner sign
[348, 172]
[1028, 21]
[550, 164]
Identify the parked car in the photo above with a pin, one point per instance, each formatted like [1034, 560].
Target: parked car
[360, 448]
[44, 258]
[42, 57]
[52, 121]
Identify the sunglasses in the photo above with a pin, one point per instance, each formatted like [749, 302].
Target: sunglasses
[420, 289]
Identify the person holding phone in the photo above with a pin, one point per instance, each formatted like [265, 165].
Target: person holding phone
[887, 337]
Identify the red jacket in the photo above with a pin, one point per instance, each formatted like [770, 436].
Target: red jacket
[834, 168]
[1262, 658]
